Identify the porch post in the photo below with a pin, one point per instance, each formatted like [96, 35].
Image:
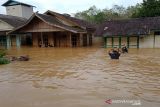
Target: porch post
[87, 39]
[70, 39]
[8, 41]
[105, 42]
[120, 42]
[18, 41]
[128, 41]
[138, 42]
[81, 39]
[154, 41]
[42, 39]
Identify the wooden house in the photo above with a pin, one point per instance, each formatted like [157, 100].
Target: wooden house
[134, 33]
[7, 24]
[55, 30]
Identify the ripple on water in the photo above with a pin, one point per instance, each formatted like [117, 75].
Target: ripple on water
[88, 73]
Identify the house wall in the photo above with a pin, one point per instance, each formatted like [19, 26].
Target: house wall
[35, 39]
[157, 41]
[36, 25]
[20, 11]
[146, 41]
[27, 11]
[97, 41]
[14, 10]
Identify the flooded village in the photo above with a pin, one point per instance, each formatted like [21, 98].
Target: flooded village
[56, 60]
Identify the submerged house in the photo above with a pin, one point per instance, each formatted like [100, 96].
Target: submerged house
[134, 33]
[17, 15]
[43, 30]
[55, 30]
[7, 24]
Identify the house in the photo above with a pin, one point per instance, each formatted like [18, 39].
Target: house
[8, 23]
[55, 30]
[42, 30]
[135, 33]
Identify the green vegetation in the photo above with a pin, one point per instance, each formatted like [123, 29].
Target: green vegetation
[2, 59]
[149, 8]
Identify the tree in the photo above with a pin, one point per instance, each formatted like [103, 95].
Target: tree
[150, 8]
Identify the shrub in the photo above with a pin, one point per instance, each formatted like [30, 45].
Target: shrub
[2, 53]
[4, 61]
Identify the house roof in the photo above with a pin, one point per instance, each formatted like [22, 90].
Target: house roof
[13, 20]
[53, 21]
[14, 2]
[79, 22]
[135, 26]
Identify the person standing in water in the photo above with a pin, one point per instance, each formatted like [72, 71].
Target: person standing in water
[124, 49]
[114, 53]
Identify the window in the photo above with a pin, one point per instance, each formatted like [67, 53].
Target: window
[157, 33]
[3, 41]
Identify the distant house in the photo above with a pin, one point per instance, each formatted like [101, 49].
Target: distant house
[8, 23]
[135, 33]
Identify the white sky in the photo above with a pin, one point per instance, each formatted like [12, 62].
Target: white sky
[71, 6]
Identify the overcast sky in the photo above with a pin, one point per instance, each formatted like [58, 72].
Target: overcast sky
[71, 6]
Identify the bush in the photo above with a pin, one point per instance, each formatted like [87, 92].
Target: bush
[2, 53]
[4, 61]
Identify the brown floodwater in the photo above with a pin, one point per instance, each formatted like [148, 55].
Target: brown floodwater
[80, 77]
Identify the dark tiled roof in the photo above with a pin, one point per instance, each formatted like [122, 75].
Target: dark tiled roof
[137, 26]
[80, 22]
[14, 2]
[13, 20]
[54, 21]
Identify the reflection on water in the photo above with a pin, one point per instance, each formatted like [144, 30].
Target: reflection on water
[80, 77]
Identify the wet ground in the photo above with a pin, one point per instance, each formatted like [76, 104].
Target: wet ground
[80, 77]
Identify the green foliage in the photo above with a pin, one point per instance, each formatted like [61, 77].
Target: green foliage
[2, 53]
[95, 15]
[4, 61]
[150, 8]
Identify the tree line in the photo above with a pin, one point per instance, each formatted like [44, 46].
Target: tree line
[148, 8]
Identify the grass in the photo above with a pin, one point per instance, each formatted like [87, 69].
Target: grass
[2, 59]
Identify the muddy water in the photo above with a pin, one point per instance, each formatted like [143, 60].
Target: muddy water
[80, 77]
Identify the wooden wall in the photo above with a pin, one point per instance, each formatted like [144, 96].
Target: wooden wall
[36, 25]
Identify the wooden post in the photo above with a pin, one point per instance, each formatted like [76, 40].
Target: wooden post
[18, 41]
[42, 39]
[70, 39]
[8, 41]
[87, 39]
[154, 41]
[120, 43]
[81, 39]
[106, 42]
[138, 42]
[128, 41]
